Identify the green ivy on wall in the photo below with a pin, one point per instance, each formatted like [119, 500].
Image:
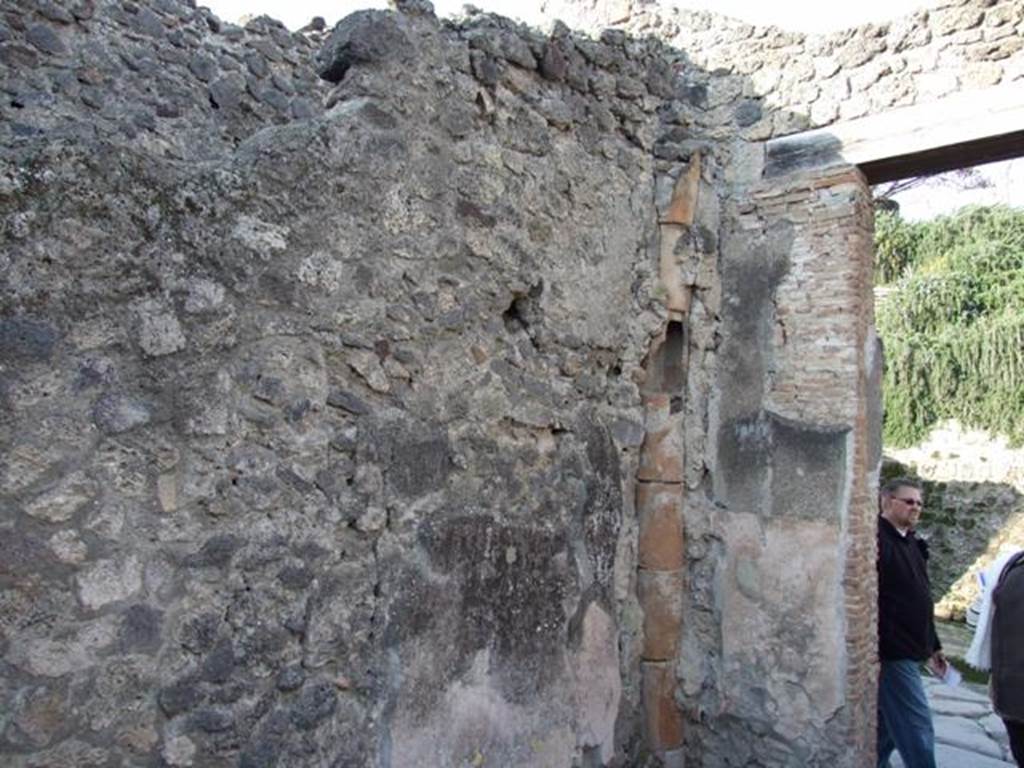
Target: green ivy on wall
[953, 323]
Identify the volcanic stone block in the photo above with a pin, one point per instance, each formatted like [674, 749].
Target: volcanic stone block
[26, 339]
[362, 37]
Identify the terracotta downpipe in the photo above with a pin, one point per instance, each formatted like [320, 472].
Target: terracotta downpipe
[660, 487]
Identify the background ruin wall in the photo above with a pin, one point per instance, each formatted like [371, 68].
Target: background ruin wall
[329, 404]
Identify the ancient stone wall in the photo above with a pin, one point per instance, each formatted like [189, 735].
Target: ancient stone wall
[426, 393]
[768, 82]
[164, 78]
[322, 398]
[777, 356]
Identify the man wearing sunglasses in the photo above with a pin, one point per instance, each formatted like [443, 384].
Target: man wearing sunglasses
[906, 629]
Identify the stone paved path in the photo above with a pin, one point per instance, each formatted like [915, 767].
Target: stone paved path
[967, 733]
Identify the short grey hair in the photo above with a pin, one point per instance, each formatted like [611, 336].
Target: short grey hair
[893, 485]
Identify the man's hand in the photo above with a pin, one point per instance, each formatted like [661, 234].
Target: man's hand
[938, 664]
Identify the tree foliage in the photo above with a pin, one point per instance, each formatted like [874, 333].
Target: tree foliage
[895, 246]
[953, 323]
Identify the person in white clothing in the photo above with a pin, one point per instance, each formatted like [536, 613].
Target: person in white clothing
[998, 643]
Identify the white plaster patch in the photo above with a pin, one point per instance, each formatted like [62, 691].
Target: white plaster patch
[782, 624]
[475, 725]
[598, 687]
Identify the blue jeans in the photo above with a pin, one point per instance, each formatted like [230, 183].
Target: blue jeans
[904, 719]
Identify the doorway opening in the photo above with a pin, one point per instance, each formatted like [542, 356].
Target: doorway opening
[949, 309]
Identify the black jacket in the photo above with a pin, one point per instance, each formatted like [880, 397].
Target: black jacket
[1008, 641]
[906, 625]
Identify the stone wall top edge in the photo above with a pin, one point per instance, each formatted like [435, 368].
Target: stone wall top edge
[179, 83]
[654, 14]
[787, 82]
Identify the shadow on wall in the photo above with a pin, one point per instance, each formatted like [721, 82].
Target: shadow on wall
[966, 523]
